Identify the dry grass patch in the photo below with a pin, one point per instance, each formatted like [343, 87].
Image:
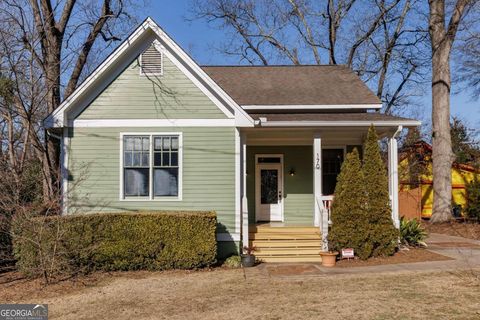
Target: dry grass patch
[227, 294]
[402, 256]
[470, 230]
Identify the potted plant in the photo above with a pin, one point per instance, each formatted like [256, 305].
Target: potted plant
[329, 258]
[248, 259]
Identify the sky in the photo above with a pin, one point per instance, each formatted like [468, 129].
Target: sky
[199, 39]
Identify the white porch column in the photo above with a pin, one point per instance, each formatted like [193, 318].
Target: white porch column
[393, 176]
[243, 170]
[317, 176]
[321, 215]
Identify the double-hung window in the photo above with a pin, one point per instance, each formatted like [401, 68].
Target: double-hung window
[151, 166]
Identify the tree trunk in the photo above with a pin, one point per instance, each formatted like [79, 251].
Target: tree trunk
[442, 38]
[441, 140]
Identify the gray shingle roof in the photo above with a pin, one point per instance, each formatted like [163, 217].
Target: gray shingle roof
[292, 85]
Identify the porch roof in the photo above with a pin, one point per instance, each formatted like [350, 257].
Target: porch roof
[360, 119]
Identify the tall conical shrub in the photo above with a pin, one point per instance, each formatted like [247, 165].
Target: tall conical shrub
[349, 221]
[382, 235]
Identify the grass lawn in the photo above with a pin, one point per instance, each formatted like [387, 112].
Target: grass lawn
[227, 294]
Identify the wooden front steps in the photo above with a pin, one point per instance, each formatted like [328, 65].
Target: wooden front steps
[286, 244]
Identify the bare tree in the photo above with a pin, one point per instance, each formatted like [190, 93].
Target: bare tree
[468, 63]
[55, 41]
[376, 38]
[442, 36]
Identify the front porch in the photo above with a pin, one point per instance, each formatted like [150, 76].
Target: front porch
[289, 177]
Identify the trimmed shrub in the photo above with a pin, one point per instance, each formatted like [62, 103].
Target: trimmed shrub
[349, 222]
[233, 262]
[49, 246]
[361, 213]
[382, 235]
[412, 233]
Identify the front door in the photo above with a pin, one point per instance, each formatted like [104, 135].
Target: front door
[269, 188]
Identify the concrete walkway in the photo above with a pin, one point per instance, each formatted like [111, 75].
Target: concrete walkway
[465, 254]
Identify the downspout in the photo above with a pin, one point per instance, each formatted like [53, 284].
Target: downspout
[396, 133]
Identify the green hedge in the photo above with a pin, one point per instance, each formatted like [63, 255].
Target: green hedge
[114, 241]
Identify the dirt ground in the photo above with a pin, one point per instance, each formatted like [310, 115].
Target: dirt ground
[228, 294]
[402, 256]
[455, 228]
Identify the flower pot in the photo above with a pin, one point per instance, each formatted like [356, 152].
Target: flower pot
[248, 260]
[329, 259]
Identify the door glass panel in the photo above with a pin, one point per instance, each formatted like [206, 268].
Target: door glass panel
[269, 186]
[269, 160]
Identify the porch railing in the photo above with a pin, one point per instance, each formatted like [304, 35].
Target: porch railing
[324, 204]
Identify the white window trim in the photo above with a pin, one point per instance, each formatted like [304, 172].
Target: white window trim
[180, 168]
[156, 44]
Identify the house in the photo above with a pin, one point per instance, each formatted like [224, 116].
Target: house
[416, 181]
[150, 129]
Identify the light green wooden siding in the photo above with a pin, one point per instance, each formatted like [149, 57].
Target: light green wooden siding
[298, 189]
[208, 172]
[169, 96]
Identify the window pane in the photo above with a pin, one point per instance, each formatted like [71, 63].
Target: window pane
[136, 182]
[166, 159]
[166, 143]
[128, 143]
[157, 159]
[166, 182]
[137, 159]
[146, 144]
[157, 144]
[145, 159]
[269, 160]
[174, 159]
[137, 144]
[174, 143]
[128, 159]
[269, 186]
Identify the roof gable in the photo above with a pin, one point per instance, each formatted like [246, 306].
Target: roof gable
[167, 94]
[120, 58]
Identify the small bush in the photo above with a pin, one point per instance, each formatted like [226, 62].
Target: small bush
[233, 262]
[473, 199]
[49, 246]
[412, 233]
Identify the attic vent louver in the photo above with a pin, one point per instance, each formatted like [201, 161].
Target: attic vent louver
[151, 62]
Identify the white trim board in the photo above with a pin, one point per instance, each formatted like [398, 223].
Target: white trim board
[65, 145]
[99, 123]
[312, 106]
[238, 179]
[191, 69]
[405, 123]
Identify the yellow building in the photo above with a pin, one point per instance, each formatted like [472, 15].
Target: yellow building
[416, 182]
